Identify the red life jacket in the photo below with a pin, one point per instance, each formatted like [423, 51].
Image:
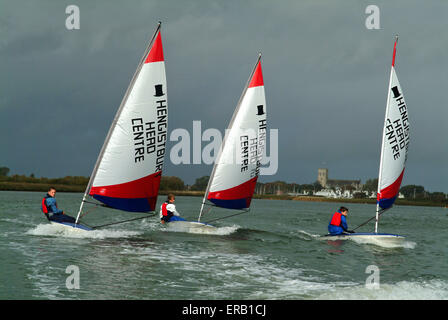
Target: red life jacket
[336, 220]
[164, 211]
[44, 205]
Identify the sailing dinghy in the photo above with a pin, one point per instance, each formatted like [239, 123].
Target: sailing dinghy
[237, 166]
[394, 152]
[128, 169]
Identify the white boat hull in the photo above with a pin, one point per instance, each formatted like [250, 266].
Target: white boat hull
[380, 238]
[191, 226]
[72, 226]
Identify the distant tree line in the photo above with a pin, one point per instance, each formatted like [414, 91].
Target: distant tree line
[410, 192]
[176, 184]
[172, 183]
[4, 171]
[68, 180]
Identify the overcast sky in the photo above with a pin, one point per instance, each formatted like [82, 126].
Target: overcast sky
[325, 74]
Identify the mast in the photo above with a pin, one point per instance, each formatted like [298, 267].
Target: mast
[117, 116]
[384, 138]
[218, 158]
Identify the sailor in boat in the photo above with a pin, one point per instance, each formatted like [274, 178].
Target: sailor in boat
[168, 210]
[50, 208]
[338, 223]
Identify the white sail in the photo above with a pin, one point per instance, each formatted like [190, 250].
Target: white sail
[395, 143]
[128, 170]
[234, 176]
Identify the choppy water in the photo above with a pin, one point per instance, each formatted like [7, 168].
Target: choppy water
[270, 253]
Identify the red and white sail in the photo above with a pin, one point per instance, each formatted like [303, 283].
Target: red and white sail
[395, 142]
[234, 176]
[128, 170]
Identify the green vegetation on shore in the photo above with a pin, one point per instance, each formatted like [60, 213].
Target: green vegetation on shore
[24, 183]
[278, 190]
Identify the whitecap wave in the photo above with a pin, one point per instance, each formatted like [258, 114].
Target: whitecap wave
[403, 290]
[307, 235]
[185, 226]
[17, 221]
[54, 230]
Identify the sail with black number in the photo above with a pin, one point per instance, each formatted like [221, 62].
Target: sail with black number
[394, 153]
[395, 144]
[237, 166]
[129, 167]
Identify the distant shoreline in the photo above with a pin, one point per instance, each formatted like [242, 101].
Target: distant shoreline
[43, 187]
[400, 202]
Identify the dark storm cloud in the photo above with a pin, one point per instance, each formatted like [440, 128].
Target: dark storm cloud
[325, 75]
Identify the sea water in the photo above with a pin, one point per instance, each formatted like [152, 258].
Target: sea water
[271, 252]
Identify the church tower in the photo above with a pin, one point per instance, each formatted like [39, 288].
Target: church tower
[322, 177]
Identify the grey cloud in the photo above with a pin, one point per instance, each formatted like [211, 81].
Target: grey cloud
[325, 76]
